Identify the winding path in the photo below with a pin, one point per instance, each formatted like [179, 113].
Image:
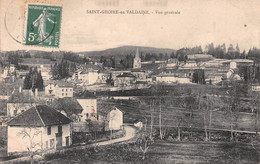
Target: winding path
[129, 134]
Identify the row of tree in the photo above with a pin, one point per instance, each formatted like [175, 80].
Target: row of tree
[195, 110]
[63, 69]
[108, 62]
[33, 80]
[222, 52]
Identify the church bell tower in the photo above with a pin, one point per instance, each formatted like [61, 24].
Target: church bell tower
[137, 60]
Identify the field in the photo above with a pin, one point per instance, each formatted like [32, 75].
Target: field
[201, 152]
[164, 152]
[174, 116]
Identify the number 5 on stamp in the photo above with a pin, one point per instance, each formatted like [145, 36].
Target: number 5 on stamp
[43, 25]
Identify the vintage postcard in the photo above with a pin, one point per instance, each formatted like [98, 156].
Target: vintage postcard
[129, 81]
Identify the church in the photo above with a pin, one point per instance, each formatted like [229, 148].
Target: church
[137, 61]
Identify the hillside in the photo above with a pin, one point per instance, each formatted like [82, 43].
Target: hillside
[124, 50]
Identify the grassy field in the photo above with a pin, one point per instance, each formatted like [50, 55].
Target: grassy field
[172, 116]
[164, 152]
[201, 152]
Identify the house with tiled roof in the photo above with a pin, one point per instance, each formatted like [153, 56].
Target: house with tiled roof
[59, 89]
[91, 74]
[38, 128]
[124, 80]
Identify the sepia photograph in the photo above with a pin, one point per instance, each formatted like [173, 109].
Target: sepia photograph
[129, 81]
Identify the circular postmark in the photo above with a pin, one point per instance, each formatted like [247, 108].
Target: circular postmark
[33, 24]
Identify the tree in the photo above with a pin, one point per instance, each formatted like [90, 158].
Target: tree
[94, 127]
[33, 147]
[33, 80]
[233, 105]
[255, 101]
[190, 104]
[27, 82]
[203, 104]
[127, 62]
[54, 71]
[110, 80]
[237, 49]
[198, 76]
[39, 81]
[61, 70]
[144, 141]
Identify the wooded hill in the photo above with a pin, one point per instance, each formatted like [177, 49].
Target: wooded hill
[127, 50]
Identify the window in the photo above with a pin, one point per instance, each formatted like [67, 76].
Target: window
[97, 117]
[59, 129]
[49, 130]
[67, 141]
[62, 94]
[47, 145]
[66, 94]
[66, 90]
[87, 115]
[91, 114]
[71, 90]
[51, 143]
[62, 90]
[15, 112]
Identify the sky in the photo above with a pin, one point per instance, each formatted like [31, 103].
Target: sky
[199, 22]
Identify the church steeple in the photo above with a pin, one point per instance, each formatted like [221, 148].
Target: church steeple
[137, 60]
[137, 54]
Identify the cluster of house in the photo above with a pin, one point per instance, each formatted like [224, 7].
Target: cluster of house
[122, 78]
[34, 126]
[11, 71]
[216, 70]
[7, 72]
[94, 77]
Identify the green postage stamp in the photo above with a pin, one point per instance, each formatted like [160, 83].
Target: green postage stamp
[43, 25]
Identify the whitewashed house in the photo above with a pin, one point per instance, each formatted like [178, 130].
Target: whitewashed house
[59, 89]
[115, 119]
[112, 116]
[38, 128]
[172, 78]
[50, 89]
[190, 64]
[91, 76]
[63, 89]
[88, 102]
[172, 63]
[45, 72]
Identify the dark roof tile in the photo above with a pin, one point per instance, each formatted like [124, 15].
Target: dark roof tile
[40, 115]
